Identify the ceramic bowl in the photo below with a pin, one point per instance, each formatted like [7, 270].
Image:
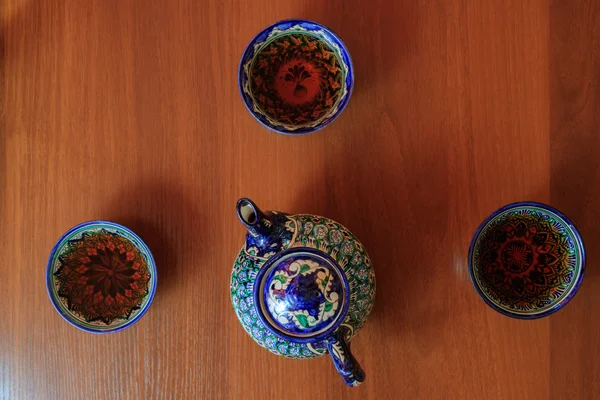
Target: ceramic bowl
[296, 77]
[101, 277]
[526, 260]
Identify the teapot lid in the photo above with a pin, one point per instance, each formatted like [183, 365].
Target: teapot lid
[301, 295]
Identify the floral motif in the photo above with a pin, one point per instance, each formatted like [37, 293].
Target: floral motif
[297, 74]
[335, 237]
[320, 232]
[348, 248]
[258, 333]
[303, 295]
[357, 259]
[308, 227]
[517, 256]
[102, 277]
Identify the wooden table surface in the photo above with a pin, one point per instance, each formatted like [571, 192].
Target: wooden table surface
[129, 111]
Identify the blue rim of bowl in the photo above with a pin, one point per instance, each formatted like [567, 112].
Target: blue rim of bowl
[144, 248]
[341, 106]
[257, 294]
[579, 242]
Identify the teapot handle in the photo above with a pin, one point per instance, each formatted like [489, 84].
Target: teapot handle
[344, 361]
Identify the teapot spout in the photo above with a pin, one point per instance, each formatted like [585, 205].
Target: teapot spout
[259, 224]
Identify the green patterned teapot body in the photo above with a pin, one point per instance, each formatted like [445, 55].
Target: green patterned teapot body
[302, 286]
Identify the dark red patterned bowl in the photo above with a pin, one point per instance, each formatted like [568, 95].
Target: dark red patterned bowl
[101, 277]
[526, 260]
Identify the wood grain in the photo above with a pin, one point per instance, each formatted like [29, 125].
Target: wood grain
[129, 111]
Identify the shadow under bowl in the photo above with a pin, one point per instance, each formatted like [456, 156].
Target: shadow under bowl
[526, 260]
[296, 77]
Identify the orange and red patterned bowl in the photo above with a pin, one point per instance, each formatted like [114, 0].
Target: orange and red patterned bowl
[296, 77]
[101, 277]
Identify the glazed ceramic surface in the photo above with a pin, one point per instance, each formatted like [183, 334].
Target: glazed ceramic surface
[302, 294]
[298, 282]
[296, 76]
[527, 260]
[101, 277]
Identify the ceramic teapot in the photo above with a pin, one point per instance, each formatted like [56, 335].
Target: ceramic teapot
[302, 286]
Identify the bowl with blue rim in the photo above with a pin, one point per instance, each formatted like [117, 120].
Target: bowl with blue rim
[101, 277]
[296, 77]
[526, 260]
